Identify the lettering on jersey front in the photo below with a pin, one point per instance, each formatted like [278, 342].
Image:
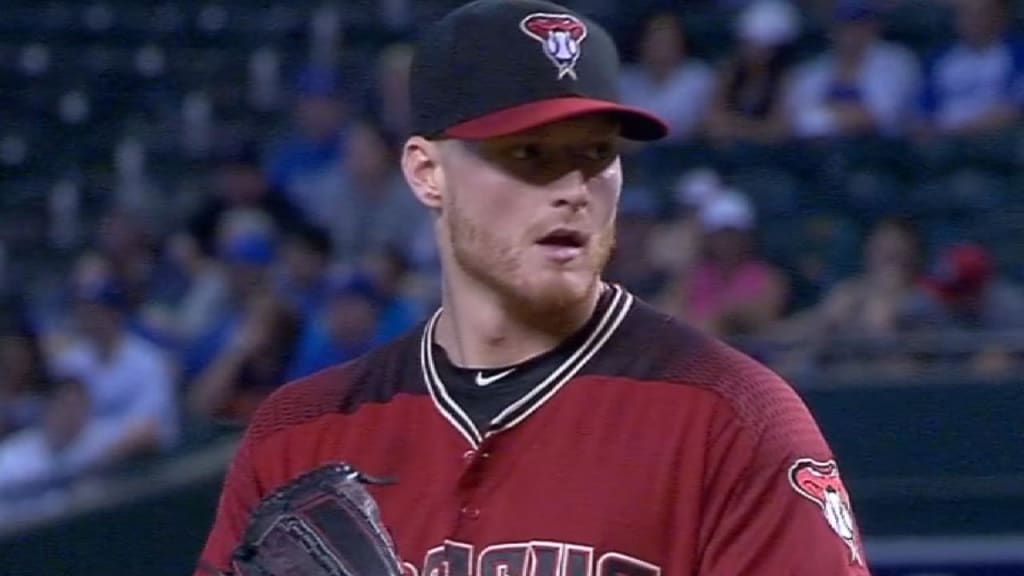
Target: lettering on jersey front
[547, 558]
[613, 564]
[536, 558]
[579, 561]
[503, 560]
[452, 559]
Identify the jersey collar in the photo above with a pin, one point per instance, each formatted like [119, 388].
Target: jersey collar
[610, 318]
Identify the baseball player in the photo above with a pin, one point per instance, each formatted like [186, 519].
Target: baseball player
[543, 421]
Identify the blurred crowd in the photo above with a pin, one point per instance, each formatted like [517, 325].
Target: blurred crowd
[306, 249]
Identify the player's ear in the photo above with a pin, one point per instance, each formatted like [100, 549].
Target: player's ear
[421, 164]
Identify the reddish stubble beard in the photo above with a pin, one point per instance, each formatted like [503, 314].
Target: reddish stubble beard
[543, 295]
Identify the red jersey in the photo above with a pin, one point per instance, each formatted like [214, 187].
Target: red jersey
[649, 449]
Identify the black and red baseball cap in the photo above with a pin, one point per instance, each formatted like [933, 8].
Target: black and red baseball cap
[496, 67]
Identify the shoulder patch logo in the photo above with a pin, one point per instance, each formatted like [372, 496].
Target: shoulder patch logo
[820, 483]
[560, 35]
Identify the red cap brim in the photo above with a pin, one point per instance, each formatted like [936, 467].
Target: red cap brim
[637, 124]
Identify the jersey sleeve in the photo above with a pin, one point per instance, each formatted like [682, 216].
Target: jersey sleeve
[267, 451]
[239, 496]
[775, 502]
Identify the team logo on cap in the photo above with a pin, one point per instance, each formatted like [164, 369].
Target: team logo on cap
[561, 36]
[819, 482]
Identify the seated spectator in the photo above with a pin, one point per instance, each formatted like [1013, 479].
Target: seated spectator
[635, 227]
[863, 85]
[55, 450]
[128, 379]
[23, 378]
[675, 243]
[731, 291]
[366, 204]
[398, 289]
[237, 183]
[965, 292]
[244, 271]
[349, 328]
[70, 442]
[251, 365]
[127, 244]
[667, 81]
[976, 86]
[305, 265]
[389, 93]
[316, 145]
[880, 301]
[747, 106]
[241, 201]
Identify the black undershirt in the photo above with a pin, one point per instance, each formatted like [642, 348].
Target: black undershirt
[483, 403]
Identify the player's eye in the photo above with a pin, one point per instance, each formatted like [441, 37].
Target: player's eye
[599, 151]
[526, 152]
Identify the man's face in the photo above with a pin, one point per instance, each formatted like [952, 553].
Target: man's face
[368, 154]
[891, 253]
[351, 319]
[241, 185]
[532, 215]
[97, 321]
[305, 265]
[980, 21]
[66, 414]
[663, 45]
[319, 117]
[728, 245]
[17, 364]
[852, 39]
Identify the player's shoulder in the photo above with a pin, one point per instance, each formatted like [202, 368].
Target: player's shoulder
[654, 346]
[376, 377]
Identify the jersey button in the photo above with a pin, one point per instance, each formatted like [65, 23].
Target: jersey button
[468, 455]
[470, 512]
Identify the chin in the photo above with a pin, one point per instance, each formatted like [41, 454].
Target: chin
[550, 291]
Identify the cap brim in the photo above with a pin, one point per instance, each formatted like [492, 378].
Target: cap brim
[636, 124]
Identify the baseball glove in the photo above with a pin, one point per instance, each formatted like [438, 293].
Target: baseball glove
[323, 523]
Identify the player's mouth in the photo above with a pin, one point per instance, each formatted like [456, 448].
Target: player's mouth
[563, 245]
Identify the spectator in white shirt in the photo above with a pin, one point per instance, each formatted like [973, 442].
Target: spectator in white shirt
[128, 379]
[34, 457]
[862, 85]
[667, 81]
[364, 201]
[976, 85]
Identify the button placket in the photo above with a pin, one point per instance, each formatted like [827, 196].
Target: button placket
[477, 461]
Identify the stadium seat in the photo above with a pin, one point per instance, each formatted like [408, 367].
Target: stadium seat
[815, 249]
[871, 194]
[774, 192]
[961, 192]
[924, 26]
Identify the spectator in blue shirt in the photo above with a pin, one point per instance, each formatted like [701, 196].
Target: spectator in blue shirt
[976, 85]
[305, 264]
[348, 327]
[317, 144]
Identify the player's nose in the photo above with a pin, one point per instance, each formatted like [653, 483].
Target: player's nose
[571, 190]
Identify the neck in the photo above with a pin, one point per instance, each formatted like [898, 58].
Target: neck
[371, 177]
[481, 329]
[984, 43]
[661, 72]
[107, 345]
